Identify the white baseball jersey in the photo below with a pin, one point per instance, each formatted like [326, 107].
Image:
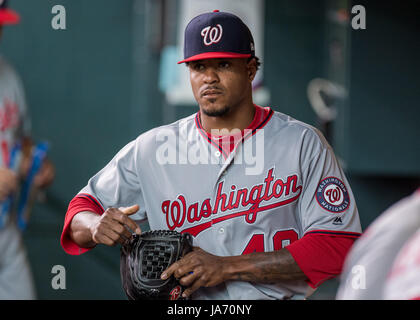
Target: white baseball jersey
[280, 182]
[369, 263]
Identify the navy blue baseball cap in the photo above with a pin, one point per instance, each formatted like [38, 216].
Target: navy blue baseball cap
[217, 35]
[7, 16]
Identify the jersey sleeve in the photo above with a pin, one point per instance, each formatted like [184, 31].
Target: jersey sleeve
[327, 205]
[118, 183]
[327, 212]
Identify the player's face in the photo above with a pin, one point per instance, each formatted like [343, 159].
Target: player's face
[219, 85]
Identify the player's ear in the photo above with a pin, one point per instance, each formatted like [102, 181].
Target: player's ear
[251, 68]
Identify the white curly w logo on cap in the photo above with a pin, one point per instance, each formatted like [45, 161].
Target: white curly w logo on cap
[212, 34]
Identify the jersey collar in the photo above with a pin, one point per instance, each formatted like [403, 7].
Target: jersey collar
[226, 144]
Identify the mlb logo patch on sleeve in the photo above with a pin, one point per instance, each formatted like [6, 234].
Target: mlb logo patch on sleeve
[332, 195]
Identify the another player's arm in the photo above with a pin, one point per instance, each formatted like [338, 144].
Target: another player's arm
[87, 229]
[202, 269]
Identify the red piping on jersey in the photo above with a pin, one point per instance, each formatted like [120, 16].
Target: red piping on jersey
[254, 127]
[86, 195]
[208, 136]
[334, 232]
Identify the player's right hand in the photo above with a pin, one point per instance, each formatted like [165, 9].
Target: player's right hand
[8, 183]
[114, 226]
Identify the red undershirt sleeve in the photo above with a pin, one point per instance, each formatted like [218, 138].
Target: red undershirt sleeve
[320, 256]
[82, 202]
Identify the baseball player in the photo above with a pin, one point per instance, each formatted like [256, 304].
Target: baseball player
[384, 263]
[15, 274]
[269, 208]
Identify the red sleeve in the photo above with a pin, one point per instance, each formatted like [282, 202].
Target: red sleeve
[320, 254]
[82, 202]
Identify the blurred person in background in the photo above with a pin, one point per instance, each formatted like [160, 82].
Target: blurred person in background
[384, 263]
[15, 274]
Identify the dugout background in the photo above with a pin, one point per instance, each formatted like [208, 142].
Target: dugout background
[94, 87]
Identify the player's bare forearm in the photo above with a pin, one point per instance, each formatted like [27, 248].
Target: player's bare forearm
[114, 226]
[202, 269]
[80, 231]
[263, 267]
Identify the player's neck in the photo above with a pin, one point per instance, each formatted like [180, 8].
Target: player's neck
[240, 118]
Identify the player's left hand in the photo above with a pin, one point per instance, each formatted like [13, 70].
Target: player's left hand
[197, 269]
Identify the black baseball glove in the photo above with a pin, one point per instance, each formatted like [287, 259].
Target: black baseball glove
[144, 259]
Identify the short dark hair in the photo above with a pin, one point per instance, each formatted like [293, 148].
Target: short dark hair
[257, 61]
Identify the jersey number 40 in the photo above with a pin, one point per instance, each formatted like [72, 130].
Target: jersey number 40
[281, 239]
